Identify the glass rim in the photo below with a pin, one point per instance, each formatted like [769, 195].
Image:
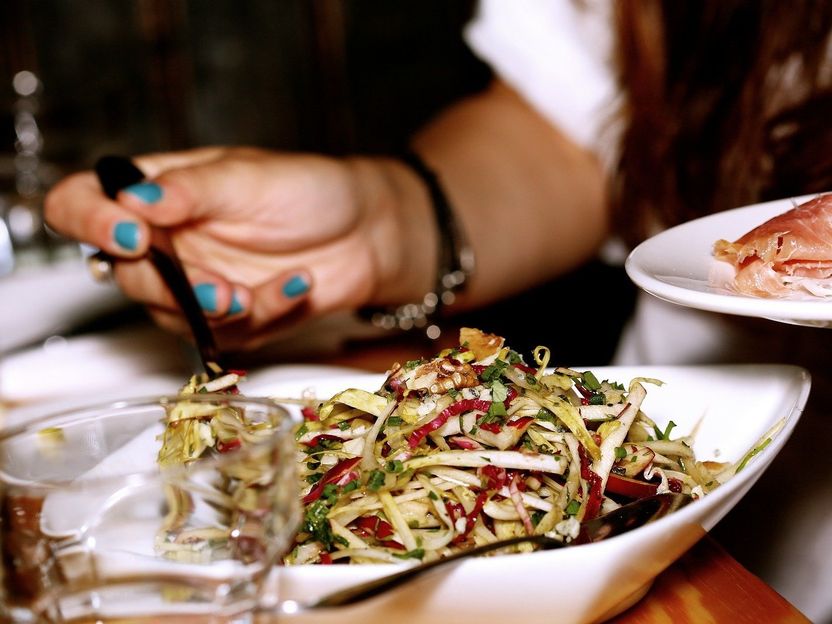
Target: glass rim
[283, 428]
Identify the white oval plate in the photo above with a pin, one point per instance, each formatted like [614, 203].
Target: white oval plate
[734, 405]
[678, 266]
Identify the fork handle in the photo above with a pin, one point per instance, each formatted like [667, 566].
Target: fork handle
[363, 591]
[118, 172]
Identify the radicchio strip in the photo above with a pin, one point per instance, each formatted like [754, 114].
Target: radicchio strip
[321, 437]
[471, 518]
[526, 369]
[375, 526]
[228, 445]
[492, 477]
[517, 500]
[593, 481]
[309, 414]
[454, 409]
[520, 423]
[335, 473]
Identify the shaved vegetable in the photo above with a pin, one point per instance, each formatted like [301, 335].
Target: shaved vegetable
[197, 429]
[474, 445]
[468, 447]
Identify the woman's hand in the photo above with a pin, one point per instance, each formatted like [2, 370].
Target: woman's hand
[267, 239]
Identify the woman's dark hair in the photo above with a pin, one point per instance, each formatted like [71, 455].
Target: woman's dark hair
[727, 103]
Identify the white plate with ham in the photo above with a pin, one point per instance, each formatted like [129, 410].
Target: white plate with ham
[770, 260]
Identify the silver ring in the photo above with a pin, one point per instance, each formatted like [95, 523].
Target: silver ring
[100, 266]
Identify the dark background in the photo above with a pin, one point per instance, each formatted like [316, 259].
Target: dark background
[323, 75]
[336, 76]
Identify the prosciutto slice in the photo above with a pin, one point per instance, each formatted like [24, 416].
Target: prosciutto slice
[787, 257]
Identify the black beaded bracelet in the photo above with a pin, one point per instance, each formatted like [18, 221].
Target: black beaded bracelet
[455, 266]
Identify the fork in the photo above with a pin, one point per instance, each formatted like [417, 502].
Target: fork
[626, 518]
[118, 172]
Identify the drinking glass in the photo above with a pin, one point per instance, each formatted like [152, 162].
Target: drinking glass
[93, 528]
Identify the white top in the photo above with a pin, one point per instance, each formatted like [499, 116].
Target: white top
[557, 54]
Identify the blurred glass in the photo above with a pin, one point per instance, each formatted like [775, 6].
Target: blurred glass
[94, 529]
[6, 253]
[24, 178]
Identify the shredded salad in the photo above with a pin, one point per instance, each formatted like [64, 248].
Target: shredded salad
[238, 491]
[472, 446]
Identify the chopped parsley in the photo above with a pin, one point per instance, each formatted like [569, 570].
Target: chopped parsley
[316, 524]
[498, 391]
[495, 413]
[494, 371]
[545, 414]
[664, 435]
[590, 381]
[322, 444]
[416, 553]
[330, 493]
[598, 399]
[376, 480]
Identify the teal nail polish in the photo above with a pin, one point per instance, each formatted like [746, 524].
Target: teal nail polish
[206, 295]
[126, 235]
[295, 287]
[148, 192]
[236, 306]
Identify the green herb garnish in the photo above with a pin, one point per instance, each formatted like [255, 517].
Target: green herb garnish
[416, 553]
[376, 480]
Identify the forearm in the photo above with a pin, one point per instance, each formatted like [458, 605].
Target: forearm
[531, 202]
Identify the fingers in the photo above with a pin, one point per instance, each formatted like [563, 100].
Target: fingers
[277, 297]
[242, 319]
[218, 298]
[191, 187]
[77, 208]
[222, 302]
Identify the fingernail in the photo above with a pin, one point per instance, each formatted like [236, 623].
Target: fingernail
[206, 295]
[148, 192]
[296, 286]
[236, 307]
[126, 235]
